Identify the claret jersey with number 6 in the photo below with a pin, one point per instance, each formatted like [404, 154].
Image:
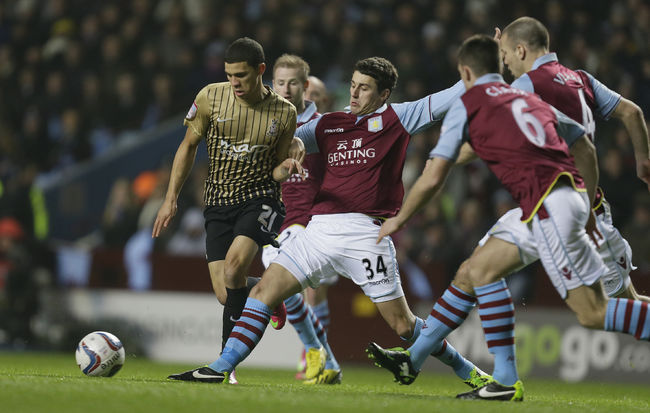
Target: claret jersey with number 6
[517, 135]
[575, 93]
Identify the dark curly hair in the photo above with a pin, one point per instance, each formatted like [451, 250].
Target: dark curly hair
[380, 69]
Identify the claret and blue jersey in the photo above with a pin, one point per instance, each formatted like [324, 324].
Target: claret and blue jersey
[364, 155]
[574, 92]
[517, 135]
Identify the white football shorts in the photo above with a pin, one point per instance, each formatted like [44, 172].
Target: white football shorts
[615, 252]
[561, 241]
[344, 244]
[269, 252]
[614, 249]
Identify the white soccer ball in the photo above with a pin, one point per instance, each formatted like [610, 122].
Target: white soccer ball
[100, 354]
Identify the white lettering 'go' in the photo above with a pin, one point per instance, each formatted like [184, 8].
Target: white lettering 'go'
[530, 126]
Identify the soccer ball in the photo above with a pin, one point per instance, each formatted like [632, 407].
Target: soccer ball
[100, 354]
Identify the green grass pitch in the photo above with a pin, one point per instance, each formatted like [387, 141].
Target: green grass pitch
[35, 382]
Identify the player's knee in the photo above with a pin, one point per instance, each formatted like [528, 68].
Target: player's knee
[255, 292]
[235, 271]
[268, 290]
[592, 317]
[481, 275]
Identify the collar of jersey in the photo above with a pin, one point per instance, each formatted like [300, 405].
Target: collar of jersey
[381, 109]
[310, 109]
[488, 78]
[547, 58]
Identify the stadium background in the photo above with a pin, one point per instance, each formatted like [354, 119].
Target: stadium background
[92, 96]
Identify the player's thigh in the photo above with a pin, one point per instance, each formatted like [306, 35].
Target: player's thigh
[492, 261]
[510, 238]
[238, 260]
[276, 285]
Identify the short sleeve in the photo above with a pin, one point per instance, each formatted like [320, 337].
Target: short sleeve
[420, 114]
[606, 99]
[452, 133]
[307, 134]
[198, 115]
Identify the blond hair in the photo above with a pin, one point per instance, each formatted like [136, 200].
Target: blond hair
[294, 62]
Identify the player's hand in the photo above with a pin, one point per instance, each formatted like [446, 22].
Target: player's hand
[592, 230]
[287, 168]
[497, 34]
[165, 214]
[390, 226]
[643, 171]
[297, 150]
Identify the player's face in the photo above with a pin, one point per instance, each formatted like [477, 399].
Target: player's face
[364, 96]
[287, 83]
[244, 78]
[509, 56]
[316, 93]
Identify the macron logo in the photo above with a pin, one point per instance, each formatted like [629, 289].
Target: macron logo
[336, 130]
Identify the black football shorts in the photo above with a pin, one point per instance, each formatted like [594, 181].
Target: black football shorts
[259, 219]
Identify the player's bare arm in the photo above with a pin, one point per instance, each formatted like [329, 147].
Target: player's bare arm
[183, 162]
[287, 168]
[297, 150]
[426, 187]
[288, 165]
[632, 117]
[466, 154]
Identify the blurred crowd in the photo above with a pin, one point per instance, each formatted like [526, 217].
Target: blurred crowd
[77, 77]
